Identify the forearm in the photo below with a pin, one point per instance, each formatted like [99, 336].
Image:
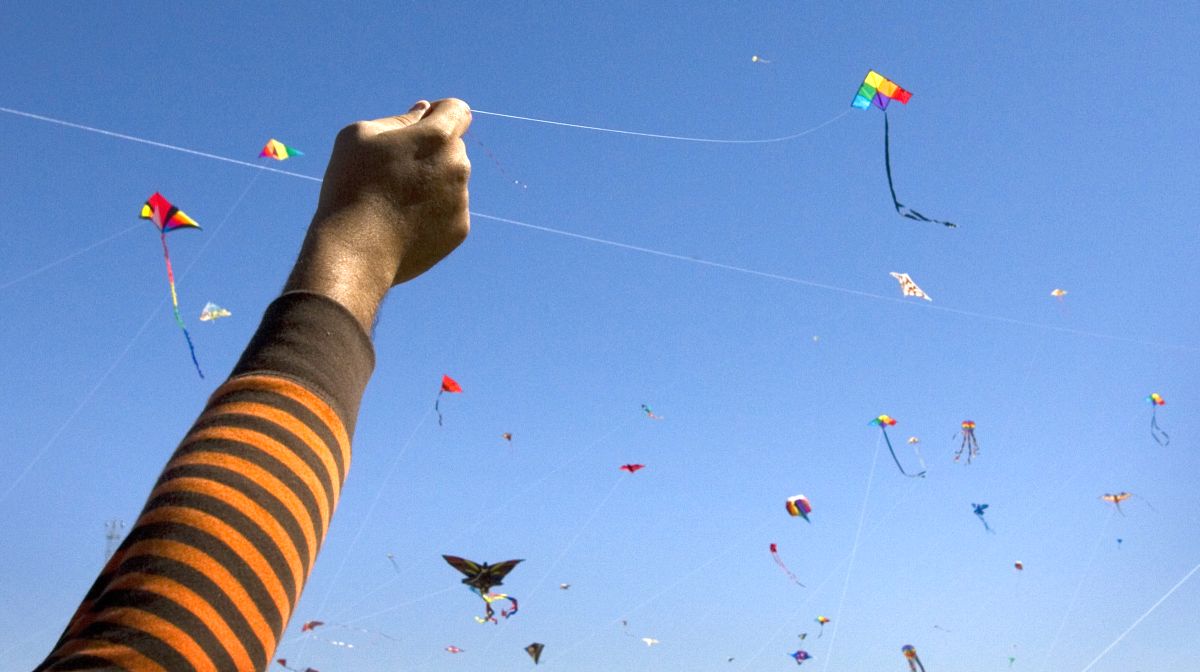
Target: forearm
[210, 573]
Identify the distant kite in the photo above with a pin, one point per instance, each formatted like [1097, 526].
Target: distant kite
[798, 505]
[650, 641]
[212, 312]
[284, 664]
[915, 443]
[883, 422]
[448, 385]
[822, 620]
[649, 413]
[800, 656]
[969, 445]
[507, 436]
[482, 578]
[910, 654]
[564, 586]
[453, 649]
[878, 91]
[1058, 293]
[1019, 566]
[758, 59]
[908, 287]
[779, 561]
[1155, 400]
[168, 218]
[979, 510]
[632, 468]
[535, 651]
[1116, 499]
[275, 149]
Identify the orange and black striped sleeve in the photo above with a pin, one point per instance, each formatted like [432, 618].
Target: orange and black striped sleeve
[209, 574]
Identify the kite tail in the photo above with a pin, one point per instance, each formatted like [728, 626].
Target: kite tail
[901, 209]
[920, 665]
[1155, 431]
[896, 459]
[779, 561]
[175, 304]
[437, 407]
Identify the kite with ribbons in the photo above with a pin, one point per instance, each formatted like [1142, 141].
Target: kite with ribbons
[169, 218]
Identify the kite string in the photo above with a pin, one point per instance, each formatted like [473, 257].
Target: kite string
[120, 357]
[862, 517]
[681, 138]
[1142, 618]
[69, 257]
[1078, 587]
[644, 250]
[480, 520]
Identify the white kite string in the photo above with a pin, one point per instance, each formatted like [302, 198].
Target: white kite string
[646, 250]
[1141, 618]
[681, 138]
[72, 255]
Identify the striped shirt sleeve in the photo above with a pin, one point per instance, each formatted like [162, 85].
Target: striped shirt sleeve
[209, 574]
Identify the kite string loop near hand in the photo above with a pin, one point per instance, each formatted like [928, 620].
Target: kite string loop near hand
[660, 136]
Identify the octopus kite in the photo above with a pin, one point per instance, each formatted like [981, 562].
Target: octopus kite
[969, 445]
[877, 90]
[883, 422]
[1155, 400]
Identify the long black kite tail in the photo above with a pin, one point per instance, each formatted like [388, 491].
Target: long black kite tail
[1154, 429]
[437, 407]
[901, 209]
[896, 459]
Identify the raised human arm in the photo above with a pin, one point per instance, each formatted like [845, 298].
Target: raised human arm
[210, 573]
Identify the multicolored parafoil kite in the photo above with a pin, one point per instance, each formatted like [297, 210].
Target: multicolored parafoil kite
[632, 468]
[1155, 400]
[535, 651]
[910, 654]
[212, 311]
[969, 445]
[448, 385]
[883, 422]
[169, 218]
[275, 149]
[908, 287]
[878, 91]
[784, 567]
[798, 505]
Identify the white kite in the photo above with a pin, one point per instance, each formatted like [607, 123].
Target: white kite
[910, 288]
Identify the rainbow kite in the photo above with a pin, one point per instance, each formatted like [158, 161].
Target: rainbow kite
[169, 218]
[883, 422]
[275, 149]
[1155, 400]
[878, 90]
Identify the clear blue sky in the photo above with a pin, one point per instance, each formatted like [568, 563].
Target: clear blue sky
[1061, 141]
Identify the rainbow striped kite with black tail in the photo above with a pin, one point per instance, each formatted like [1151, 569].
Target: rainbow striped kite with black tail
[167, 218]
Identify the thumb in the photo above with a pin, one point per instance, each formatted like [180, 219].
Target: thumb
[414, 114]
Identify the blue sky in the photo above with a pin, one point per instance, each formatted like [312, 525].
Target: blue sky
[1060, 141]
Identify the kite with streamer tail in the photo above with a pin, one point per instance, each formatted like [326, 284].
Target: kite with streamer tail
[822, 620]
[908, 287]
[212, 312]
[916, 444]
[910, 654]
[800, 656]
[168, 218]
[877, 90]
[275, 149]
[1155, 400]
[448, 385]
[335, 634]
[649, 413]
[784, 567]
[969, 445]
[798, 505]
[979, 510]
[535, 651]
[883, 422]
[481, 578]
